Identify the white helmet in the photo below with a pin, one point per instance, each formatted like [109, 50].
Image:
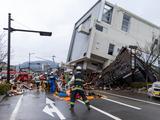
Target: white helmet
[78, 68]
[71, 73]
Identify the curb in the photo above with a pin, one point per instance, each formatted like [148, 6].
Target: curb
[2, 97]
[105, 92]
[99, 93]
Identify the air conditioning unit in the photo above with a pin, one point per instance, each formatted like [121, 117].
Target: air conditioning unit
[82, 28]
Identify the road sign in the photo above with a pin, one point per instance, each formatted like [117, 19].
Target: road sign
[53, 109]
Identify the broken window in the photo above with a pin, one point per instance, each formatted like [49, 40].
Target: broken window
[107, 14]
[125, 22]
[111, 49]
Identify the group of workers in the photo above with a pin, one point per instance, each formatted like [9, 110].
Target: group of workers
[75, 84]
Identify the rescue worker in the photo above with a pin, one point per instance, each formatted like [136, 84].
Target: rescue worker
[77, 82]
[37, 81]
[62, 77]
[52, 81]
[69, 76]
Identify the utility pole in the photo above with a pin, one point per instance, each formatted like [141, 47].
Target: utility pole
[53, 58]
[10, 29]
[29, 62]
[9, 47]
[159, 58]
[133, 60]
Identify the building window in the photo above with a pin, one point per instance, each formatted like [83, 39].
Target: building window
[107, 14]
[125, 23]
[111, 49]
[99, 27]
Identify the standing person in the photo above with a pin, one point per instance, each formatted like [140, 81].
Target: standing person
[52, 80]
[43, 85]
[69, 76]
[77, 81]
[37, 81]
[63, 81]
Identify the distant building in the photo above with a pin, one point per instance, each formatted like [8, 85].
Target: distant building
[3, 67]
[101, 32]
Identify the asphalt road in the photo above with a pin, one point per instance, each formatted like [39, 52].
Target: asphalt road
[35, 105]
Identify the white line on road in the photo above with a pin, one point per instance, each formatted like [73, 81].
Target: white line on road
[137, 108]
[103, 112]
[130, 98]
[14, 113]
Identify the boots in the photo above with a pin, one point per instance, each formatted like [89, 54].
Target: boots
[71, 109]
[88, 107]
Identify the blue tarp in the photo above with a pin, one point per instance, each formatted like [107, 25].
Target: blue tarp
[62, 94]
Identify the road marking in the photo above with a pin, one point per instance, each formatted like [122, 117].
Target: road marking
[101, 111]
[52, 110]
[14, 113]
[137, 108]
[130, 98]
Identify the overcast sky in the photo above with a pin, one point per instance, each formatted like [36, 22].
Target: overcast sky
[59, 17]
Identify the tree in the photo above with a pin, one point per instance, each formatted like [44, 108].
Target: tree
[3, 51]
[151, 56]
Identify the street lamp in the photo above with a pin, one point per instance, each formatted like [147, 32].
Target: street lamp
[10, 29]
[42, 33]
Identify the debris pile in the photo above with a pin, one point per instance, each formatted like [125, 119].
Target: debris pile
[120, 70]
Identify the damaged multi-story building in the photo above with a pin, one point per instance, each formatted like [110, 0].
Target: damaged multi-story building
[102, 31]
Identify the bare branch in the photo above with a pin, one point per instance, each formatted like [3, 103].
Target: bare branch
[3, 53]
[139, 52]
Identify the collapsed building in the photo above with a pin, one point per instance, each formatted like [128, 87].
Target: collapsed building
[102, 31]
[126, 68]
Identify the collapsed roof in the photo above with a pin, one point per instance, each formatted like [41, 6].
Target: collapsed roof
[121, 68]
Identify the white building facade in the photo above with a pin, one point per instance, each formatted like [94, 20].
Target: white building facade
[103, 31]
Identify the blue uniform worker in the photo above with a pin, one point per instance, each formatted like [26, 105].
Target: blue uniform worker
[77, 81]
[52, 81]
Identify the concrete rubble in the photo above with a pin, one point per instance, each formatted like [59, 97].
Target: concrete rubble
[120, 71]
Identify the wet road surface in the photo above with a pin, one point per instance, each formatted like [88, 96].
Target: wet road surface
[35, 105]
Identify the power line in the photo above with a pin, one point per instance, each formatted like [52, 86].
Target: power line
[21, 24]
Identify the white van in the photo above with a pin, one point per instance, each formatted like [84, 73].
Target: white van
[154, 90]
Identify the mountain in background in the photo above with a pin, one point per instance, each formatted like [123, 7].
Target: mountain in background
[39, 66]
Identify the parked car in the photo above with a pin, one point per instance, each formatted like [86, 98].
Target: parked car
[154, 90]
